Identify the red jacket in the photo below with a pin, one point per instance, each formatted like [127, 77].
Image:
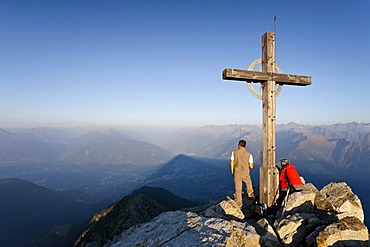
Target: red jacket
[288, 174]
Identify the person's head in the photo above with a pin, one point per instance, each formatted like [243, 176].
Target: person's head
[242, 143]
[284, 162]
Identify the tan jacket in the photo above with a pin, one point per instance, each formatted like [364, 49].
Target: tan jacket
[241, 161]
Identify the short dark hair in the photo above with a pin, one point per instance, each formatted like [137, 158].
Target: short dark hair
[242, 143]
[284, 162]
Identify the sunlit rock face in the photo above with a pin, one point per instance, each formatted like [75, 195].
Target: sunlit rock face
[339, 198]
[332, 216]
[349, 231]
[189, 229]
[300, 202]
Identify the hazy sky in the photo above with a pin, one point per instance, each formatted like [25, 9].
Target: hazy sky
[160, 62]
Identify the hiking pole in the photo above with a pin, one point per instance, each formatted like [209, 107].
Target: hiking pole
[285, 202]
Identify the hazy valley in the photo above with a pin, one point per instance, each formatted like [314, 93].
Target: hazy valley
[98, 166]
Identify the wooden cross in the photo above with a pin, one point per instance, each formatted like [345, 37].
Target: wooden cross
[269, 175]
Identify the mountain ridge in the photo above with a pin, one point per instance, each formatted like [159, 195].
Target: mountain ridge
[141, 206]
[342, 145]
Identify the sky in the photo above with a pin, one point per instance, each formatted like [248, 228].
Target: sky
[160, 63]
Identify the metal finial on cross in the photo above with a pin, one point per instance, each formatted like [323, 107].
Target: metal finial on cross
[268, 78]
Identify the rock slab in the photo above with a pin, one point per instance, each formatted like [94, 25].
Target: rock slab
[189, 229]
[349, 231]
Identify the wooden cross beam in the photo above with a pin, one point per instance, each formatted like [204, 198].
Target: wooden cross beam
[255, 76]
[269, 175]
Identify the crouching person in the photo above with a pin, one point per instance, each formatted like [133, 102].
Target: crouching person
[289, 180]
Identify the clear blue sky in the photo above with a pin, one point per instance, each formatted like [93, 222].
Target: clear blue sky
[160, 62]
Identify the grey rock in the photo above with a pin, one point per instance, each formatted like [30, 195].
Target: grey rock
[349, 231]
[224, 210]
[223, 224]
[293, 229]
[188, 229]
[267, 233]
[339, 198]
[265, 225]
[299, 202]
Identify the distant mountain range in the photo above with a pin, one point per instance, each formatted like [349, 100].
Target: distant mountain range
[342, 145]
[58, 157]
[109, 163]
[112, 147]
[346, 146]
[324, 151]
[101, 146]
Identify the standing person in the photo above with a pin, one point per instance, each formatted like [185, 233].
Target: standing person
[240, 163]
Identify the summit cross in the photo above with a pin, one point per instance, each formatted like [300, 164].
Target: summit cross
[269, 175]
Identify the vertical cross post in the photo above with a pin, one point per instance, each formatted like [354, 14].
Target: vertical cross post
[268, 187]
[268, 172]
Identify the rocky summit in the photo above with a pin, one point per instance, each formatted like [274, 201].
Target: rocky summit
[332, 216]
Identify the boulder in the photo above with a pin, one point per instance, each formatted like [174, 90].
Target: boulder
[238, 237]
[293, 229]
[267, 228]
[225, 209]
[349, 231]
[299, 202]
[339, 199]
